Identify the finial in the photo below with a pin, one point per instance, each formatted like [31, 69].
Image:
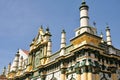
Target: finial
[63, 31]
[83, 2]
[41, 27]
[107, 28]
[10, 63]
[47, 29]
[94, 23]
[101, 34]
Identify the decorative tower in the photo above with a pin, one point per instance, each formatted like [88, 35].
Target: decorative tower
[108, 36]
[101, 35]
[84, 21]
[15, 62]
[9, 67]
[49, 48]
[84, 18]
[20, 63]
[4, 71]
[63, 42]
[47, 35]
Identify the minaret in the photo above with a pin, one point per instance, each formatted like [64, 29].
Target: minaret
[16, 62]
[101, 35]
[41, 31]
[47, 34]
[20, 63]
[84, 18]
[63, 42]
[108, 36]
[9, 67]
[63, 39]
[4, 71]
[49, 48]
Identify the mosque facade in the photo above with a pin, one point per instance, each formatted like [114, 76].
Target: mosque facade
[87, 57]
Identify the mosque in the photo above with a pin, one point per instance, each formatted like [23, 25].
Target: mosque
[87, 57]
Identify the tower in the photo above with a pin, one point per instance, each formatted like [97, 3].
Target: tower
[108, 36]
[84, 21]
[9, 67]
[15, 64]
[63, 42]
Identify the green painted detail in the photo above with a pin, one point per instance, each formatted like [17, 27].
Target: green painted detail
[63, 70]
[84, 69]
[89, 69]
[78, 70]
[83, 62]
[90, 62]
[77, 65]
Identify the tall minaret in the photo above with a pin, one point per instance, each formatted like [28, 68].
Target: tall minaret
[63, 42]
[108, 36]
[84, 18]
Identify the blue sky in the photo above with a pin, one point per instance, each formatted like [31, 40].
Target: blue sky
[21, 19]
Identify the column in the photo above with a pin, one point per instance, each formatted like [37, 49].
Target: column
[97, 70]
[90, 74]
[113, 73]
[63, 74]
[84, 73]
[78, 74]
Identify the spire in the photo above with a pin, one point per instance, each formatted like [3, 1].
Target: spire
[41, 31]
[47, 34]
[83, 1]
[9, 67]
[63, 39]
[108, 36]
[63, 42]
[15, 62]
[4, 71]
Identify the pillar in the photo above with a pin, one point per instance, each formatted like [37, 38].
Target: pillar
[114, 76]
[97, 70]
[78, 74]
[84, 73]
[90, 73]
[113, 73]
[63, 74]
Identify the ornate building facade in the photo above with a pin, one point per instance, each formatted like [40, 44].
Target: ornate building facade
[87, 57]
